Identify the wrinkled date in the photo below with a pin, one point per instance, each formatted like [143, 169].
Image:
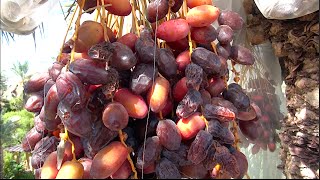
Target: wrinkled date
[178, 157]
[210, 62]
[165, 169]
[221, 113]
[151, 153]
[199, 147]
[98, 101]
[189, 104]
[194, 75]
[34, 102]
[42, 151]
[227, 160]
[36, 82]
[51, 102]
[77, 122]
[101, 52]
[55, 70]
[146, 49]
[99, 137]
[141, 78]
[225, 103]
[39, 125]
[223, 134]
[169, 134]
[71, 91]
[167, 63]
[122, 57]
[47, 86]
[31, 139]
[91, 72]
[236, 95]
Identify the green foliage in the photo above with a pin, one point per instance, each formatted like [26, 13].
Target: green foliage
[15, 125]
[3, 85]
[15, 104]
[21, 69]
[13, 170]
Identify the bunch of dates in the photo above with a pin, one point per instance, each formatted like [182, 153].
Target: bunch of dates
[262, 132]
[168, 110]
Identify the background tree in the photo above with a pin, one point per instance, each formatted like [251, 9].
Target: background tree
[21, 70]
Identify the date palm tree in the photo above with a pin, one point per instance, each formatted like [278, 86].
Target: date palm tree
[21, 69]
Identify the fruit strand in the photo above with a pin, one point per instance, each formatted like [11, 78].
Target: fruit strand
[121, 136]
[65, 36]
[214, 47]
[106, 38]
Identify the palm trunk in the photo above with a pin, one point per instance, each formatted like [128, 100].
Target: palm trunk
[296, 43]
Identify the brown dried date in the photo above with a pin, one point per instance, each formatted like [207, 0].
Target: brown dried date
[223, 134]
[31, 139]
[146, 49]
[157, 9]
[77, 122]
[239, 99]
[165, 169]
[224, 50]
[242, 163]
[36, 82]
[52, 124]
[176, 6]
[251, 129]
[194, 171]
[216, 86]
[47, 86]
[71, 91]
[194, 75]
[101, 51]
[91, 72]
[210, 62]
[203, 35]
[199, 147]
[152, 152]
[44, 148]
[51, 102]
[99, 137]
[209, 162]
[141, 78]
[218, 101]
[241, 55]
[189, 104]
[55, 70]
[34, 102]
[39, 125]
[167, 63]
[122, 57]
[169, 134]
[221, 113]
[178, 157]
[98, 101]
[227, 160]
[206, 97]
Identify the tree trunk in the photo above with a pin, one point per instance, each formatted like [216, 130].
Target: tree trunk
[296, 43]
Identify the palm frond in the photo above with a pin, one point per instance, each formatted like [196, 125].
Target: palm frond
[7, 36]
[71, 9]
[20, 69]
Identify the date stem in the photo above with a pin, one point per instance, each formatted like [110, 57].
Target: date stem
[65, 37]
[122, 137]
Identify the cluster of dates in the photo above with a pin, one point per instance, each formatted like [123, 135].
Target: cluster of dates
[110, 87]
[261, 130]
